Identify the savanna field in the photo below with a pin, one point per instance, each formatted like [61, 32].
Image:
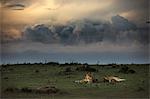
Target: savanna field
[30, 81]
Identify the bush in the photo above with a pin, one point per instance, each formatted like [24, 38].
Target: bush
[115, 66]
[140, 89]
[131, 71]
[11, 69]
[10, 89]
[36, 71]
[5, 77]
[26, 89]
[53, 63]
[68, 69]
[86, 68]
[126, 70]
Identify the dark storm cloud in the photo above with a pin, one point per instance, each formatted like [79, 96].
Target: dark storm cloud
[40, 33]
[15, 1]
[119, 36]
[122, 24]
[5, 38]
[15, 6]
[120, 31]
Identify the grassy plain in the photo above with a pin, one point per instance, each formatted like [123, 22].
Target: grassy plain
[37, 75]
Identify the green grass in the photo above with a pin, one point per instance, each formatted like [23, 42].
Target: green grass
[21, 76]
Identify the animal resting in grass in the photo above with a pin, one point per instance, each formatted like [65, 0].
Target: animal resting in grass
[90, 79]
[112, 79]
[87, 79]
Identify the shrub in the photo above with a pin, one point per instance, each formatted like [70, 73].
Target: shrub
[5, 77]
[10, 89]
[11, 69]
[140, 89]
[26, 89]
[53, 63]
[36, 71]
[68, 69]
[126, 70]
[131, 71]
[86, 68]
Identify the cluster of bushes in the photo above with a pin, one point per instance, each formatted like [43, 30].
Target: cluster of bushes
[10, 89]
[140, 89]
[52, 63]
[115, 66]
[5, 78]
[126, 70]
[86, 68]
[37, 71]
[70, 64]
[66, 71]
[46, 90]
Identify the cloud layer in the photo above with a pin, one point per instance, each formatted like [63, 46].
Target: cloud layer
[77, 29]
[118, 31]
[30, 12]
[15, 6]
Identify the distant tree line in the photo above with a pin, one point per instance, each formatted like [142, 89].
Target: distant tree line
[113, 65]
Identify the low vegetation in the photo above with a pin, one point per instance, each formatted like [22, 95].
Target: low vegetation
[56, 81]
[86, 68]
[126, 70]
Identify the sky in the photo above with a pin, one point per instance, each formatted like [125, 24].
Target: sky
[86, 31]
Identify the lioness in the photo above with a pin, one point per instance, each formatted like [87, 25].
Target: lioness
[112, 79]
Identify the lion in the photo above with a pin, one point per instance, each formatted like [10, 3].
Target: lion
[112, 79]
[87, 79]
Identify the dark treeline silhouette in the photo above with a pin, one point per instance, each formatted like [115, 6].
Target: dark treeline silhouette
[113, 65]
